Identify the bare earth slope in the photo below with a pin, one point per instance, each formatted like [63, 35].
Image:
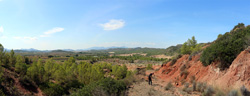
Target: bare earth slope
[237, 75]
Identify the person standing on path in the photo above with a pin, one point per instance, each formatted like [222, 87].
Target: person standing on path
[150, 78]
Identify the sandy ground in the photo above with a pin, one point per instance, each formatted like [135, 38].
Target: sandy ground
[142, 88]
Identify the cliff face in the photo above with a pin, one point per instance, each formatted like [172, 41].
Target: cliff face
[235, 76]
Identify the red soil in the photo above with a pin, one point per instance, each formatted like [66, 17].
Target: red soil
[237, 75]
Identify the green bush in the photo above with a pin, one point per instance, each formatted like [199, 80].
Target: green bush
[27, 83]
[149, 66]
[226, 48]
[107, 86]
[119, 72]
[20, 66]
[130, 78]
[112, 86]
[98, 91]
[52, 89]
[190, 46]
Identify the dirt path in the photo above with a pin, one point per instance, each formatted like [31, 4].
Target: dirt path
[142, 88]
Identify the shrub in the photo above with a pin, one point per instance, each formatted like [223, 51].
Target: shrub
[201, 87]
[233, 93]
[129, 80]
[112, 86]
[189, 90]
[2, 93]
[119, 72]
[108, 86]
[183, 81]
[219, 93]
[99, 92]
[244, 91]
[194, 86]
[183, 67]
[149, 67]
[192, 79]
[209, 91]
[28, 83]
[52, 89]
[166, 61]
[174, 59]
[169, 86]
[173, 62]
[184, 73]
[186, 85]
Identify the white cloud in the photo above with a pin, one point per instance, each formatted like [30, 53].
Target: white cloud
[52, 31]
[113, 24]
[26, 38]
[31, 38]
[1, 28]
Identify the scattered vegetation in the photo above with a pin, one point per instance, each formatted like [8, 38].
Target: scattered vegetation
[201, 87]
[131, 59]
[209, 91]
[192, 79]
[187, 89]
[173, 50]
[64, 78]
[149, 66]
[169, 86]
[184, 73]
[244, 91]
[174, 59]
[220, 93]
[107, 86]
[233, 93]
[194, 86]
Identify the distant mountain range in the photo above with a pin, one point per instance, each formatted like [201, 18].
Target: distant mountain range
[172, 50]
[104, 48]
[70, 50]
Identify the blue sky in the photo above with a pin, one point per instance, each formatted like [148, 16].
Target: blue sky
[80, 24]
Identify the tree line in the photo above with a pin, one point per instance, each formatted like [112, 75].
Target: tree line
[67, 78]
